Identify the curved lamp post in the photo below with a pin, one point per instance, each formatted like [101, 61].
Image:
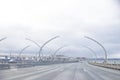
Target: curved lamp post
[57, 51]
[41, 47]
[35, 44]
[3, 38]
[23, 50]
[105, 60]
[91, 51]
[47, 43]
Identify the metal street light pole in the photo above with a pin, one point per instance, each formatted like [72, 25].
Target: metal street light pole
[3, 38]
[23, 50]
[57, 51]
[105, 60]
[47, 43]
[35, 44]
[41, 47]
[92, 52]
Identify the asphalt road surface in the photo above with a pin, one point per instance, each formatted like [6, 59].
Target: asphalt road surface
[68, 71]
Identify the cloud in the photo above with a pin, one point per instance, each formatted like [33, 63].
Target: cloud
[71, 20]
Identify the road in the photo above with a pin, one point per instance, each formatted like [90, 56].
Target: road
[68, 71]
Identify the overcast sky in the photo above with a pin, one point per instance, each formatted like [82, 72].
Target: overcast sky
[41, 20]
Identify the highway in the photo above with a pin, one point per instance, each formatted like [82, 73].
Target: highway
[67, 71]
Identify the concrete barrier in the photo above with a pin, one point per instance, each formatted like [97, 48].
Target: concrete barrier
[108, 65]
[4, 66]
[30, 64]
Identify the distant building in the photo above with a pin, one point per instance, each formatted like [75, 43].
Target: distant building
[81, 58]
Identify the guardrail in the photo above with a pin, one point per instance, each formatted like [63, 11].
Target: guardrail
[107, 65]
[30, 64]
